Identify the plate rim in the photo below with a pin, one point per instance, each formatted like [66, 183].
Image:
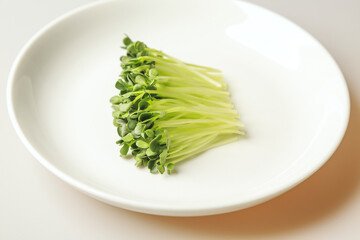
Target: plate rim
[143, 206]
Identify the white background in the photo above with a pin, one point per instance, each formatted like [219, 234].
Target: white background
[34, 204]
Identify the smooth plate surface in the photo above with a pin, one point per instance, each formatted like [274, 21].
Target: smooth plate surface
[290, 93]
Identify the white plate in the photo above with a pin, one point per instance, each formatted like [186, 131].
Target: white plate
[290, 93]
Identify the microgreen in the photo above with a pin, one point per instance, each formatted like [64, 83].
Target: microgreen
[167, 110]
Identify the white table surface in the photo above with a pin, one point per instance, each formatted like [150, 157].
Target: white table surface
[34, 204]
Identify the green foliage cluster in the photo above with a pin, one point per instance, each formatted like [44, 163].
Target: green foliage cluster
[167, 110]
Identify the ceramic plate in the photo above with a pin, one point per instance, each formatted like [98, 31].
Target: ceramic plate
[288, 90]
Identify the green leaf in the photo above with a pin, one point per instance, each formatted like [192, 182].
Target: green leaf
[115, 107]
[154, 170]
[151, 164]
[128, 137]
[137, 87]
[142, 144]
[161, 169]
[150, 153]
[138, 162]
[125, 107]
[119, 131]
[132, 124]
[125, 59]
[120, 85]
[131, 50]
[116, 114]
[153, 73]
[154, 145]
[140, 46]
[142, 153]
[145, 116]
[149, 133]
[140, 80]
[120, 122]
[163, 156]
[129, 79]
[127, 41]
[124, 150]
[124, 130]
[139, 129]
[115, 99]
[115, 123]
[143, 104]
[170, 167]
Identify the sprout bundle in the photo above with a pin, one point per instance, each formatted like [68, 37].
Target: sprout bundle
[167, 110]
